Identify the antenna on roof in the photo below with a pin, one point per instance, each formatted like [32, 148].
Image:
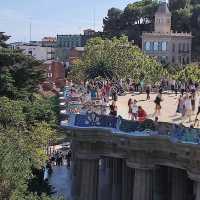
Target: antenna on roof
[94, 19]
[30, 31]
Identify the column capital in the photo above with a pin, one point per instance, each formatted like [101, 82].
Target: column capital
[144, 166]
[194, 176]
[87, 156]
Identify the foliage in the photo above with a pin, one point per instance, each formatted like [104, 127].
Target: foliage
[27, 122]
[132, 21]
[116, 59]
[3, 39]
[20, 80]
[22, 144]
[138, 17]
[189, 73]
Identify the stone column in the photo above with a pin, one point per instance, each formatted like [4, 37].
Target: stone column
[197, 195]
[76, 179]
[127, 182]
[89, 179]
[106, 180]
[117, 179]
[160, 185]
[196, 185]
[179, 184]
[143, 184]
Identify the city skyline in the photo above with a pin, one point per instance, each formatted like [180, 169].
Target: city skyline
[49, 18]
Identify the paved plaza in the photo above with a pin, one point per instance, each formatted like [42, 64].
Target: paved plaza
[168, 111]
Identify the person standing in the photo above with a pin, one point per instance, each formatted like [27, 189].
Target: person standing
[130, 104]
[134, 110]
[180, 107]
[198, 111]
[148, 92]
[188, 107]
[113, 109]
[182, 88]
[193, 103]
[157, 104]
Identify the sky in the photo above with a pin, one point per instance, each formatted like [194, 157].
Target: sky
[52, 17]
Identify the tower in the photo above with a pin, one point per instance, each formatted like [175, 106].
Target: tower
[163, 18]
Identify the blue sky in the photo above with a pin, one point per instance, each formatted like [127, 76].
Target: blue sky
[52, 17]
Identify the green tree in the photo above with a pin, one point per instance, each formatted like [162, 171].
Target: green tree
[189, 73]
[116, 59]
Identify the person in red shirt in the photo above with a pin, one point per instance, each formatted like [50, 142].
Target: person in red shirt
[142, 115]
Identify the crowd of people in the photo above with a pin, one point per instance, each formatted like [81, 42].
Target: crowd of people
[107, 91]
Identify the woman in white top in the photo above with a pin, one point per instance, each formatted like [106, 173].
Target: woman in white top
[134, 110]
[188, 107]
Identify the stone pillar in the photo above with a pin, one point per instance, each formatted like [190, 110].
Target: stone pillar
[106, 180]
[196, 185]
[76, 179]
[143, 184]
[160, 185]
[197, 195]
[89, 179]
[117, 179]
[127, 182]
[179, 184]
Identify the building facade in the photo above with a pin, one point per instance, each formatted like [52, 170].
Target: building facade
[74, 54]
[49, 41]
[165, 45]
[55, 73]
[35, 50]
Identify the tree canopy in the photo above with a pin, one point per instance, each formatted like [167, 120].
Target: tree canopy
[138, 17]
[27, 125]
[116, 59]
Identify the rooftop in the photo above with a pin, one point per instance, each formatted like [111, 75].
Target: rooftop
[171, 34]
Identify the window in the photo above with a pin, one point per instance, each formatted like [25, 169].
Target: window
[173, 59]
[188, 47]
[164, 46]
[188, 60]
[183, 47]
[163, 59]
[147, 46]
[155, 46]
[151, 46]
[49, 75]
[173, 47]
[180, 60]
[179, 47]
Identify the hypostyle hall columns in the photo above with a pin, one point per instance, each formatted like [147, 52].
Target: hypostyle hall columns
[89, 179]
[143, 181]
[127, 182]
[179, 184]
[196, 179]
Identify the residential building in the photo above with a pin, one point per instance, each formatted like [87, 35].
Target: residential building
[89, 32]
[36, 50]
[165, 45]
[66, 42]
[55, 73]
[49, 41]
[74, 54]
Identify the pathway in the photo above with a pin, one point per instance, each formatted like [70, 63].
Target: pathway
[61, 182]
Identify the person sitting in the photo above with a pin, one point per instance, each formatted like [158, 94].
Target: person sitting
[142, 115]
